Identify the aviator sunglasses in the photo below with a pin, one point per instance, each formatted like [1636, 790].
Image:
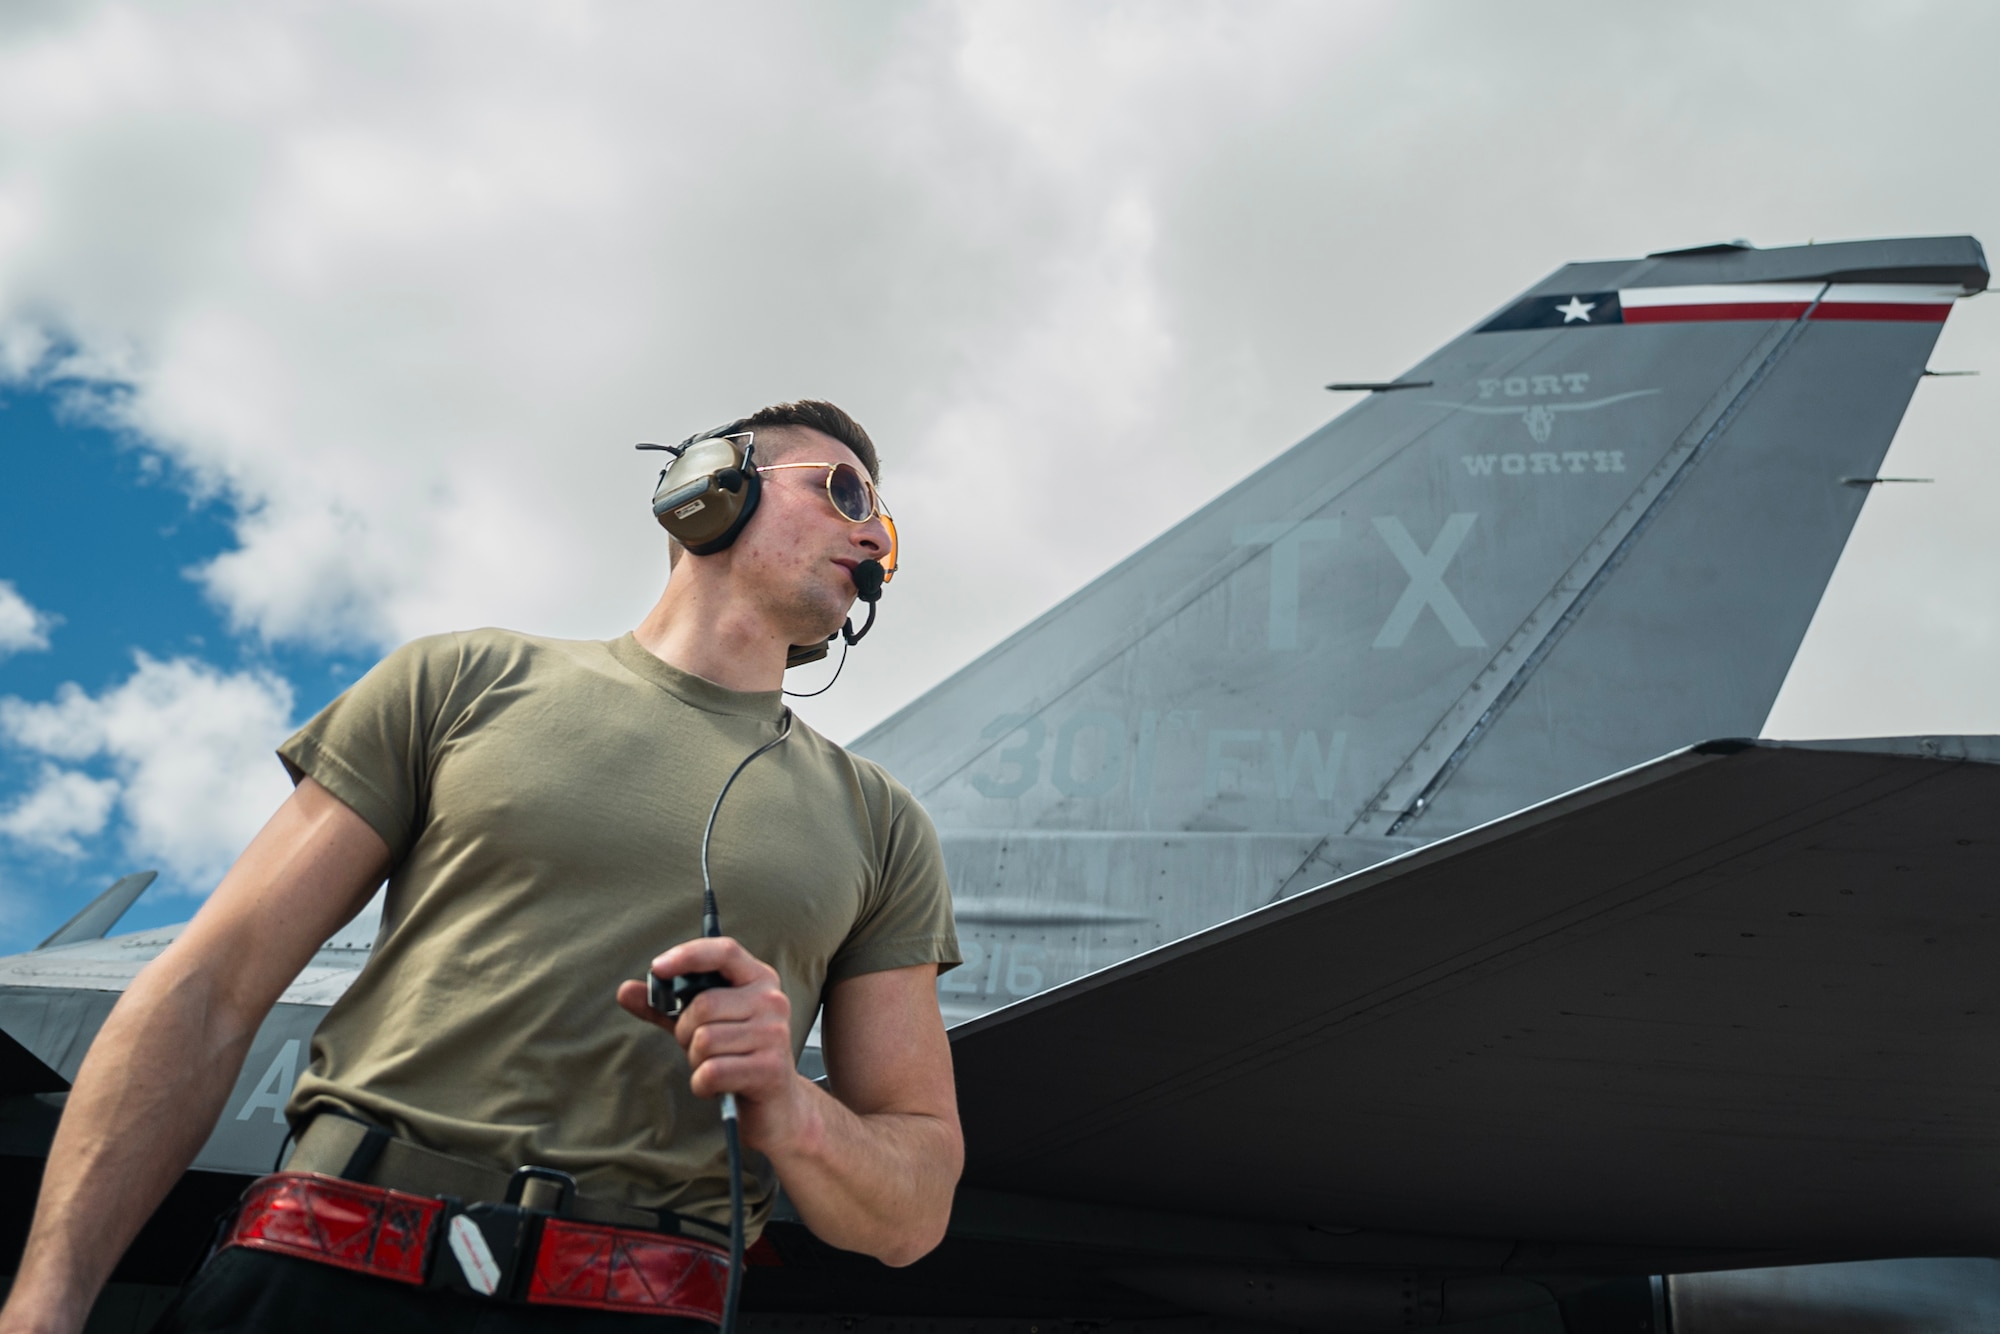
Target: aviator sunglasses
[854, 498]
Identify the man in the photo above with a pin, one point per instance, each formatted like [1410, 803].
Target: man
[537, 806]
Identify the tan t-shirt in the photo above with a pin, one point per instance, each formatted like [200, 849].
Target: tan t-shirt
[544, 800]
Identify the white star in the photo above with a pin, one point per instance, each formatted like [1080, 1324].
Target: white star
[1577, 309]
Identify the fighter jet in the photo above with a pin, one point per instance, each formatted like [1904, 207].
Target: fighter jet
[1377, 910]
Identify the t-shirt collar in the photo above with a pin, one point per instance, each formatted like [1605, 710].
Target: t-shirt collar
[697, 691]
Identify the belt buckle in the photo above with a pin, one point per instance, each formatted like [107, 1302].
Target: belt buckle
[529, 1188]
[483, 1249]
[491, 1245]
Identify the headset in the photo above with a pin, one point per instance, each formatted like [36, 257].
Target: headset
[706, 497]
[710, 490]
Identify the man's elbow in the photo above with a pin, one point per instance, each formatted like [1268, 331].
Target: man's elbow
[925, 1228]
[915, 1242]
[907, 1256]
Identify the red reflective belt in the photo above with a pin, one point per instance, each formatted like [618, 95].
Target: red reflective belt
[613, 1269]
[369, 1229]
[397, 1236]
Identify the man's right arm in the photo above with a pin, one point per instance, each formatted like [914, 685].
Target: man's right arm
[157, 1074]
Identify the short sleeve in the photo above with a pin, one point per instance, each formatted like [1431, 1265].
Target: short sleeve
[909, 920]
[372, 747]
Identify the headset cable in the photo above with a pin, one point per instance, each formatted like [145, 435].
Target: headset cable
[685, 988]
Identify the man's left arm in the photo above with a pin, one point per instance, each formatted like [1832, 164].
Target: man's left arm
[871, 1164]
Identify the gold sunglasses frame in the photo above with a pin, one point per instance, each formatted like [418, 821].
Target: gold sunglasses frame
[876, 509]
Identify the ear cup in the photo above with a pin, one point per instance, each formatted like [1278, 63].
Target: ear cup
[707, 494]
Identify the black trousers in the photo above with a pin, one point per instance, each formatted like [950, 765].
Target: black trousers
[241, 1290]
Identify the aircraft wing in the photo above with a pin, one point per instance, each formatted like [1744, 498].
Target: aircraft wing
[1740, 998]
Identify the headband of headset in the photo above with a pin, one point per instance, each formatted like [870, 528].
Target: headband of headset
[710, 490]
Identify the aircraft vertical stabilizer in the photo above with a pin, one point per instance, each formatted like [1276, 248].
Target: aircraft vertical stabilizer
[1590, 531]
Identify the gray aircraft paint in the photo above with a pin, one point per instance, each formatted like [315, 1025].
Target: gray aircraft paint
[1565, 550]
[1871, 1297]
[52, 1001]
[102, 913]
[1619, 533]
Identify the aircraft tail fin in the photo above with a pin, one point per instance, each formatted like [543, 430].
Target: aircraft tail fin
[98, 916]
[1590, 531]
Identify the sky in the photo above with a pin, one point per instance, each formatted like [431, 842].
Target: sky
[327, 326]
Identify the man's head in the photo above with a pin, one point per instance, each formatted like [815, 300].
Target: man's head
[794, 555]
[786, 429]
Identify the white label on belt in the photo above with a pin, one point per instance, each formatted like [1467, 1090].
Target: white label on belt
[475, 1257]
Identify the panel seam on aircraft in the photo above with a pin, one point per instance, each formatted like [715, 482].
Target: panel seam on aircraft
[1278, 895]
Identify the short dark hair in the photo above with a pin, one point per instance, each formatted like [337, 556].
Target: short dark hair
[821, 416]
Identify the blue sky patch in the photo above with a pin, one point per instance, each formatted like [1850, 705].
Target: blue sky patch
[102, 535]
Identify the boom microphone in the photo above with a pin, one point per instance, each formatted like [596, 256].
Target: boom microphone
[867, 577]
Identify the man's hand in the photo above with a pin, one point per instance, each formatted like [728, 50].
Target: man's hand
[738, 1038]
[871, 1161]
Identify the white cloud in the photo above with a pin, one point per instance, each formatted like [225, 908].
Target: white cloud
[61, 808]
[189, 749]
[22, 627]
[406, 281]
